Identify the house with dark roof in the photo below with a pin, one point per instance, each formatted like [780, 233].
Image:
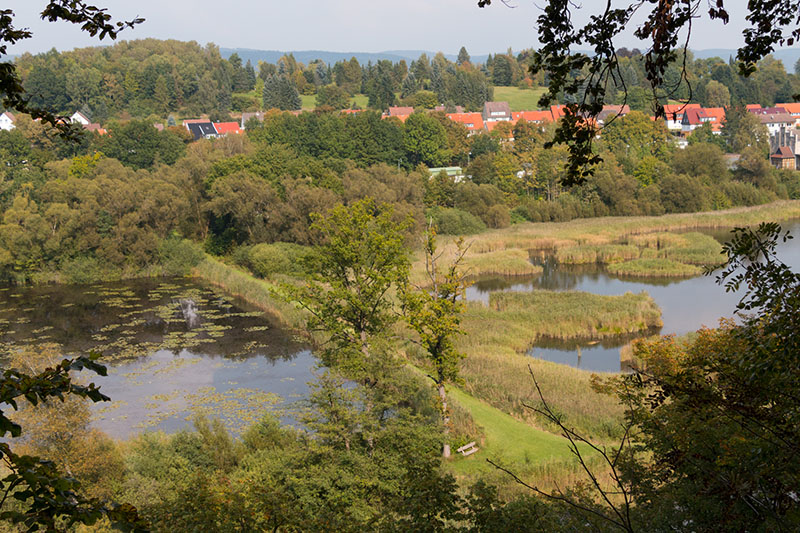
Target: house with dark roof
[496, 112]
[775, 121]
[610, 112]
[202, 130]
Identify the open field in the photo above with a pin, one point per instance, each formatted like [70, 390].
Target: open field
[519, 99]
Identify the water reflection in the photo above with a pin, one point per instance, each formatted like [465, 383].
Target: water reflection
[686, 304]
[174, 348]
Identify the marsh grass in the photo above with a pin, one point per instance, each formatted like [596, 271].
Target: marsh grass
[654, 267]
[698, 249]
[570, 315]
[596, 253]
[512, 262]
[614, 230]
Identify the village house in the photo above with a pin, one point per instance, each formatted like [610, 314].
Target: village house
[201, 129]
[674, 115]
[226, 128]
[79, 118]
[793, 108]
[610, 112]
[247, 116]
[7, 121]
[696, 117]
[400, 112]
[472, 121]
[783, 158]
[496, 112]
[774, 118]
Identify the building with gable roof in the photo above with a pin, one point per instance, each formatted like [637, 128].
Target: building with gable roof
[7, 121]
[674, 115]
[472, 121]
[496, 112]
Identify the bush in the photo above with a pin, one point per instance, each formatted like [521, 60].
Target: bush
[498, 216]
[83, 270]
[451, 221]
[178, 256]
[266, 260]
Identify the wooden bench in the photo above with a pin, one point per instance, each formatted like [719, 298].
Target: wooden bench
[468, 449]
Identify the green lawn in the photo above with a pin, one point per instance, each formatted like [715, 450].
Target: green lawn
[310, 101]
[519, 99]
[508, 441]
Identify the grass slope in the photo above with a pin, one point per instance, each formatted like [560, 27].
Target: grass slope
[519, 99]
[507, 440]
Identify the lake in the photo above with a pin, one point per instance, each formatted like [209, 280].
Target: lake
[686, 304]
[174, 348]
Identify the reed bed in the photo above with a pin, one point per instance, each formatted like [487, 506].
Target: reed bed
[611, 230]
[511, 262]
[571, 315]
[585, 254]
[698, 249]
[656, 267]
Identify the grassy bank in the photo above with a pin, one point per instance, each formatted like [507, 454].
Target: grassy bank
[540, 456]
[257, 292]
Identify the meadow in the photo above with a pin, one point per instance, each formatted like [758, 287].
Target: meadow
[519, 99]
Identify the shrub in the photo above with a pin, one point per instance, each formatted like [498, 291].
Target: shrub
[82, 270]
[498, 216]
[178, 256]
[266, 260]
[451, 221]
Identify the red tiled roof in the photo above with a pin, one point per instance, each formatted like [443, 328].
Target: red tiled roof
[224, 128]
[557, 111]
[695, 116]
[532, 116]
[679, 108]
[751, 107]
[473, 121]
[792, 107]
[400, 111]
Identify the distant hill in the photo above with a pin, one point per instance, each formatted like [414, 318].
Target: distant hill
[789, 56]
[306, 56]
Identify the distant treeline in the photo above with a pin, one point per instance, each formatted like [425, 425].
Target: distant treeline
[157, 78]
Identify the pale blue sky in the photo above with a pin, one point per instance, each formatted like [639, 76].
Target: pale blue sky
[335, 25]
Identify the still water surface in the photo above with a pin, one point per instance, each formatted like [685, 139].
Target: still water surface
[686, 304]
[174, 348]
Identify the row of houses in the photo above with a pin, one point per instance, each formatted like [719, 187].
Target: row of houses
[8, 122]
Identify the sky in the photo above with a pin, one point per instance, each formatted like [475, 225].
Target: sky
[335, 25]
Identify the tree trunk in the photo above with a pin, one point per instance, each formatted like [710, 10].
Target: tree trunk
[445, 420]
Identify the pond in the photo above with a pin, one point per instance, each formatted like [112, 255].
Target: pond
[686, 304]
[174, 348]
